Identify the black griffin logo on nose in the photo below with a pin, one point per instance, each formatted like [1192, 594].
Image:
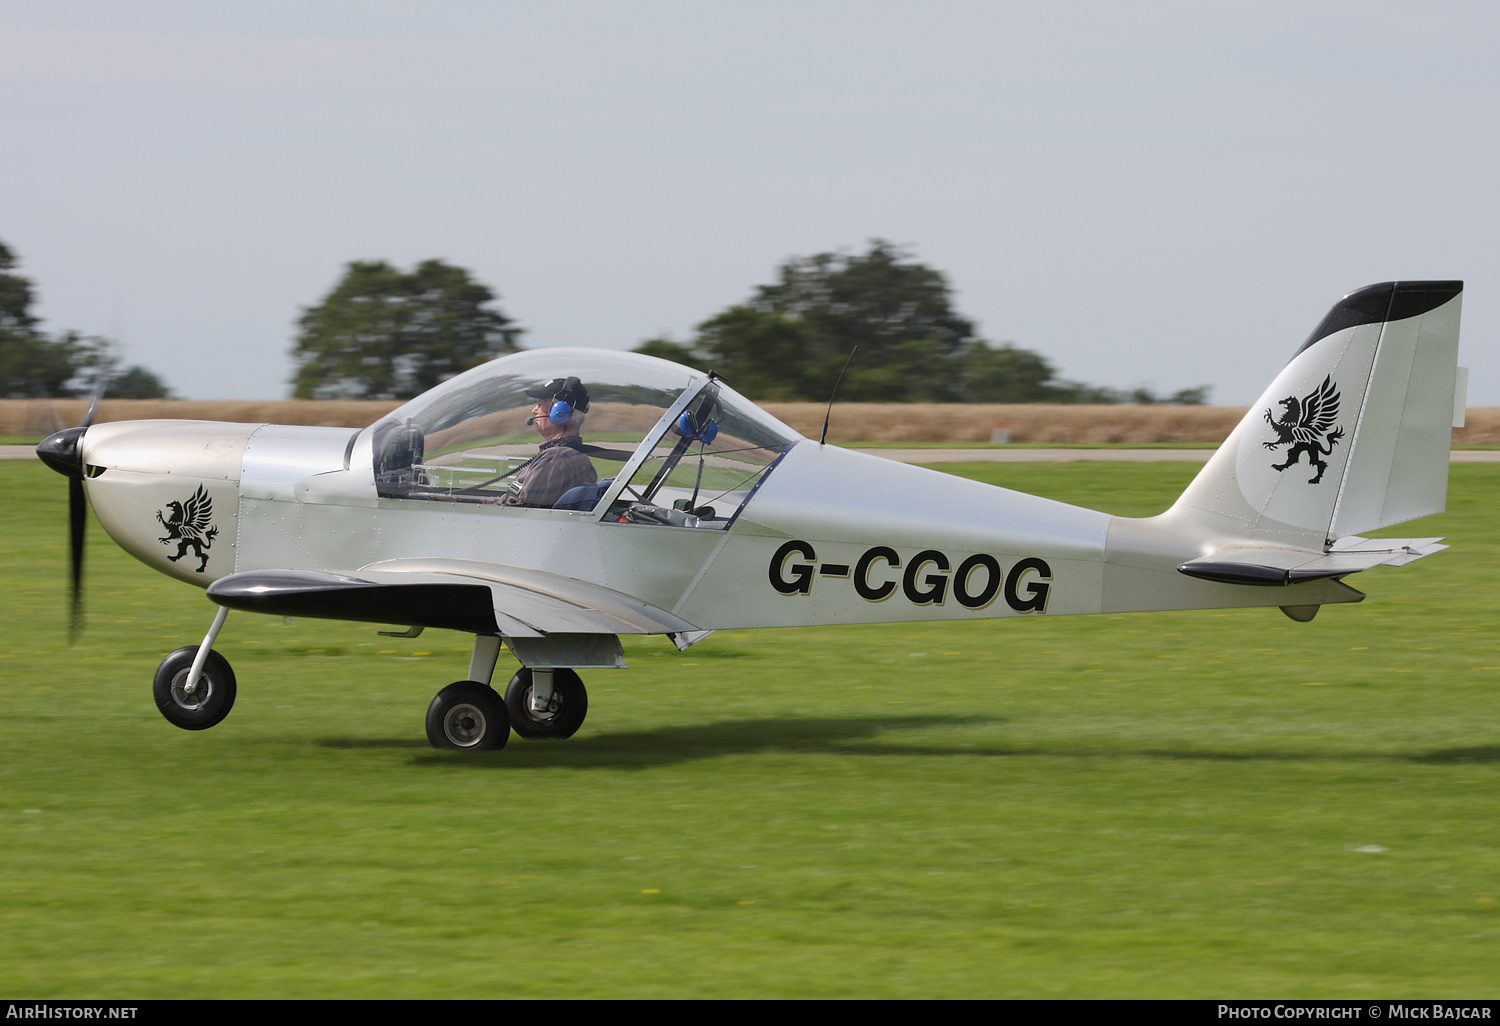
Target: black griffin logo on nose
[1306, 425]
[190, 526]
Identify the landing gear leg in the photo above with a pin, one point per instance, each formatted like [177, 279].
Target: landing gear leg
[191, 684]
[482, 662]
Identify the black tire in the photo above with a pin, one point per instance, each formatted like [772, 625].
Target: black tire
[211, 699]
[468, 716]
[569, 705]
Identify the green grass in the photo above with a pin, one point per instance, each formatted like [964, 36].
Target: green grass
[1197, 804]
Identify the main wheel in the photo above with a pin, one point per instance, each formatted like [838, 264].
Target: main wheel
[212, 697]
[564, 714]
[468, 715]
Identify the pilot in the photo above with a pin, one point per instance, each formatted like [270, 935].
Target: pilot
[560, 464]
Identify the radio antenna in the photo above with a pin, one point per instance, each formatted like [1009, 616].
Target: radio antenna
[823, 440]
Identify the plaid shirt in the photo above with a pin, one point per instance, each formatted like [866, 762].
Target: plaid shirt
[559, 465]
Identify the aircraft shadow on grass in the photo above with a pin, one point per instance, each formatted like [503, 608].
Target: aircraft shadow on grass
[1436, 757]
[862, 736]
[1452, 756]
[687, 742]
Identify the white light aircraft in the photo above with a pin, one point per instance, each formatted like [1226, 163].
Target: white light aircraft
[688, 510]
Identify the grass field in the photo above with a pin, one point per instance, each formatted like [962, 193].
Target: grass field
[1198, 804]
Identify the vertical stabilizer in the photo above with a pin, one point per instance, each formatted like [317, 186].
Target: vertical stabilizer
[1355, 431]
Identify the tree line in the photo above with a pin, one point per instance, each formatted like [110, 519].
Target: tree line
[385, 333]
[35, 364]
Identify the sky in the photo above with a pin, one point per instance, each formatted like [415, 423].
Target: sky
[1147, 192]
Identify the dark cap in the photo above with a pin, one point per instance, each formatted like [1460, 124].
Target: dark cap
[568, 390]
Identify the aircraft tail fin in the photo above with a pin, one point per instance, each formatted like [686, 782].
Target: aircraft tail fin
[1354, 433]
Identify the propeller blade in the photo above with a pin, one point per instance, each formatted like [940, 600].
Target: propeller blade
[77, 516]
[99, 385]
[63, 452]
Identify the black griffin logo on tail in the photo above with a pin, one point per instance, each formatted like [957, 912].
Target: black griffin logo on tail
[189, 526]
[1306, 426]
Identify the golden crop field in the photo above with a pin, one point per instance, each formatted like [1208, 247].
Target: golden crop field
[851, 422]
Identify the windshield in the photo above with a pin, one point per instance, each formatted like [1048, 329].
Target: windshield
[704, 468]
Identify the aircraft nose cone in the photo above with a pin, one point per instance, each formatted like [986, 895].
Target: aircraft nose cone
[60, 451]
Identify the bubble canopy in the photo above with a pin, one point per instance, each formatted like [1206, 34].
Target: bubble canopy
[690, 449]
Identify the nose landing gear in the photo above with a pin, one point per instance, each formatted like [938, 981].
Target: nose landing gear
[194, 686]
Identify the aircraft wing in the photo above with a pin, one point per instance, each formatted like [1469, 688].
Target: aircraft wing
[466, 595]
[1269, 566]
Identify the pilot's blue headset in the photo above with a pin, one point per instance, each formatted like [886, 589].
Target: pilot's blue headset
[687, 426]
[562, 402]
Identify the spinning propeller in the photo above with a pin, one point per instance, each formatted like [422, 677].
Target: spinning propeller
[63, 453]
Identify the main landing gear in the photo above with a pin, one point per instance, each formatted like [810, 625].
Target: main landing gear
[539, 703]
[195, 689]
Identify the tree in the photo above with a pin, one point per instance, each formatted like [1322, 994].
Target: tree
[15, 298]
[764, 354]
[384, 334]
[32, 363]
[137, 382]
[1008, 374]
[666, 349]
[791, 339]
[1144, 395]
[1189, 396]
[33, 366]
[897, 311]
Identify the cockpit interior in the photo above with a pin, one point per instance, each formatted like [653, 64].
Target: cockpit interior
[668, 445]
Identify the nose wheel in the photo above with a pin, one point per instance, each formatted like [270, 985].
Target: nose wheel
[206, 702]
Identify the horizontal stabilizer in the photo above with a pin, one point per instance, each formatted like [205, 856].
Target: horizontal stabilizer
[1280, 567]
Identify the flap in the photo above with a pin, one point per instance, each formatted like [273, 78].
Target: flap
[544, 603]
